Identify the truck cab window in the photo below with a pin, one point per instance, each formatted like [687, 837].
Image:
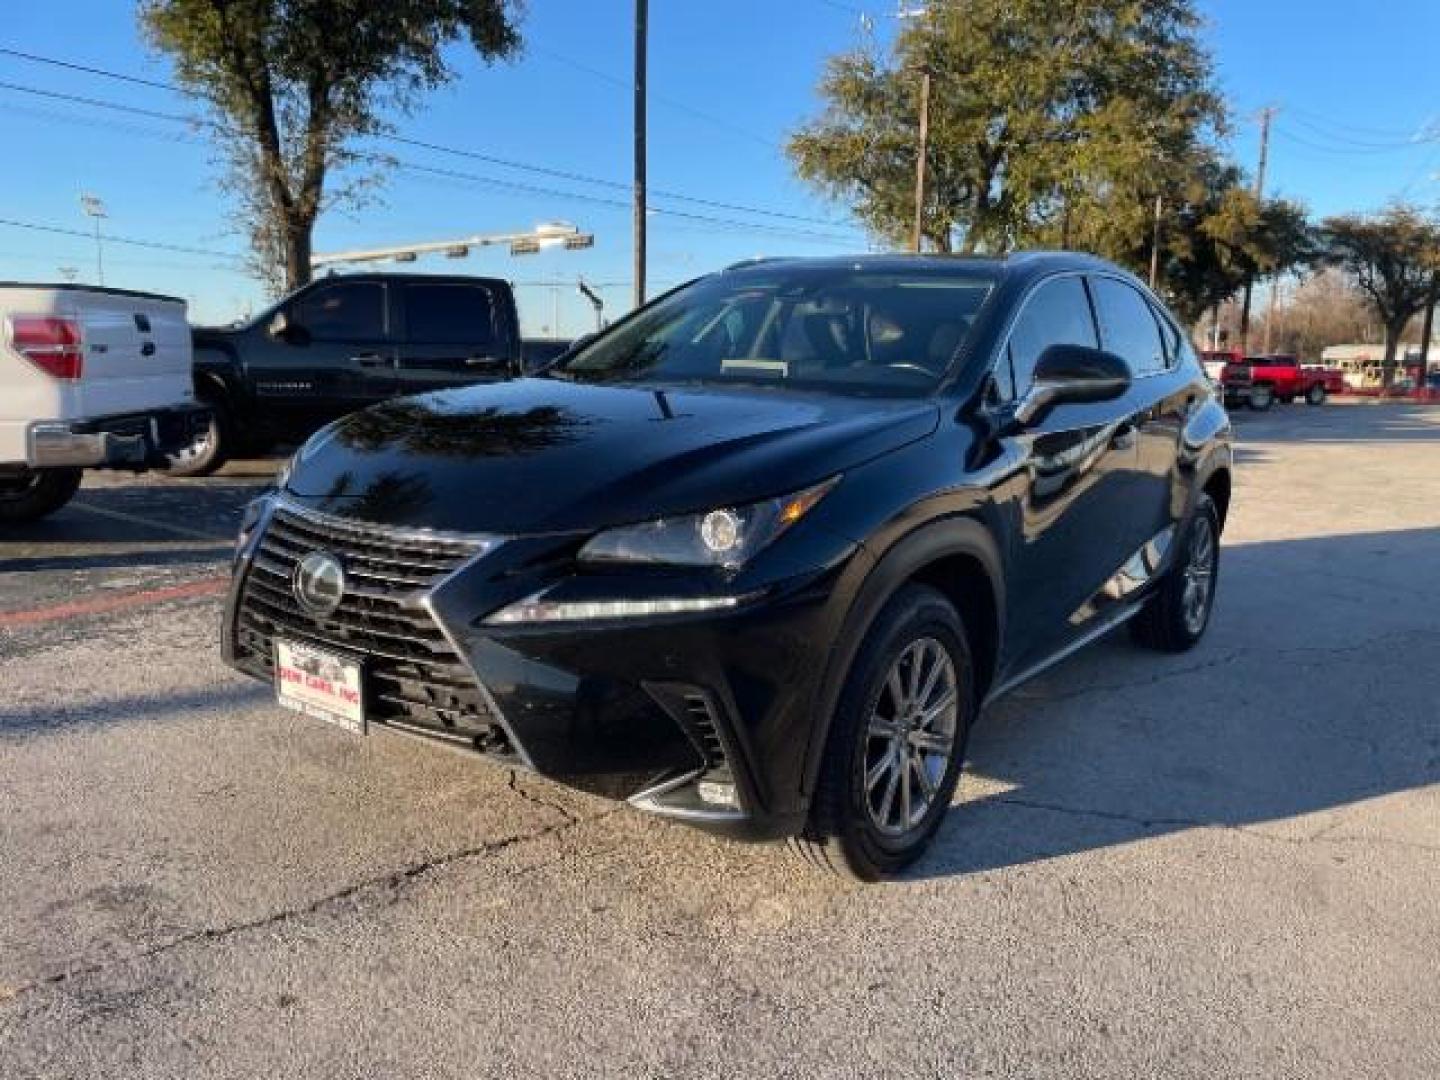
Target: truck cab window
[449, 314]
[344, 311]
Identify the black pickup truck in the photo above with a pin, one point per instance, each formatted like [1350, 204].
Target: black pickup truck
[342, 343]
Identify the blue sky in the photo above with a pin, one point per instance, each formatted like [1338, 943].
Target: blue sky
[728, 82]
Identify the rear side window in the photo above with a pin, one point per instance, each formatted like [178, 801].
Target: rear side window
[1128, 326]
[1057, 313]
[1176, 347]
[345, 311]
[449, 314]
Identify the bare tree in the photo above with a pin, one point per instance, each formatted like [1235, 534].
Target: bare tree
[295, 84]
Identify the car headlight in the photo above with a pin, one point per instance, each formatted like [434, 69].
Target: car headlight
[727, 537]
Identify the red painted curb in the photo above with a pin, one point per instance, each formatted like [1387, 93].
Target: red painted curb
[211, 586]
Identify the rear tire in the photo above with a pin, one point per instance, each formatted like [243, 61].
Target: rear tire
[1172, 620]
[1261, 398]
[1316, 395]
[897, 741]
[209, 450]
[37, 493]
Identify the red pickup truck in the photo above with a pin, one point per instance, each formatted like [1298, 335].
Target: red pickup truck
[1260, 381]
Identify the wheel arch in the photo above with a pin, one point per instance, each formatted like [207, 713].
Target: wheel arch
[1219, 485]
[957, 556]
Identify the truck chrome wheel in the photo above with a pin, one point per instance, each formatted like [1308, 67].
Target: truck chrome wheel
[911, 737]
[1199, 575]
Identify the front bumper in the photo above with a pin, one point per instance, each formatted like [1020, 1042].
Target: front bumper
[707, 719]
[134, 441]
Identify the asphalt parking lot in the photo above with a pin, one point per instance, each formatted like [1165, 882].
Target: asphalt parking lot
[1220, 864]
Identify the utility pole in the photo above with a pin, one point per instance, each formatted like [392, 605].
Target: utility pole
[1270, 314]
[1430, 301]
[1155, 243]
[642, 31]
[924, 151]
[1267, 115]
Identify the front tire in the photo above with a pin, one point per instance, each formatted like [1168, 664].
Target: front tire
[37, 493]
[1176, 617]
[897, 741]
[1316, 395]
[1261, 398]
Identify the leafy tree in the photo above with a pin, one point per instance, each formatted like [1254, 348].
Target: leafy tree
[296, 83]
[1041, 113]
[1392, 257]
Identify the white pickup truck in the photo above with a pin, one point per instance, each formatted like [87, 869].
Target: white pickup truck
[89, 378]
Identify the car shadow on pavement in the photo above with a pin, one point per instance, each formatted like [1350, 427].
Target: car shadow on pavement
[148, 708]
[138, 513]
[1316, 689]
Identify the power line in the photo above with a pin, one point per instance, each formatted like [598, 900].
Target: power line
[678, 106]
[405, 141]
[155, 245]
[474, 178]
[1341, 139]
[1345, 151]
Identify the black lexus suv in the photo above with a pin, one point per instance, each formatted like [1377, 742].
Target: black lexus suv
[756, 557]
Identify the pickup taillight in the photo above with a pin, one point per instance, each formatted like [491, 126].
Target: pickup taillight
[52, 345]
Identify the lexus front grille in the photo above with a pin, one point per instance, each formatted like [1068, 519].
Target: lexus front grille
[414, 677]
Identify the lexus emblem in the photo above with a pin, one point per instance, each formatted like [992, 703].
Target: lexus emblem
[319, 583]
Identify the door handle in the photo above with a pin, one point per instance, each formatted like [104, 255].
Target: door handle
[371, 360]
[148, 349]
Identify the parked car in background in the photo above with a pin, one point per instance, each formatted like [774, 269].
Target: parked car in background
[342, 343]
[755, 557]
[1260, 381]
[90, 378]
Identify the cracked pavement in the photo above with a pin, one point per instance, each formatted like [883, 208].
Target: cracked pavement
[1225, 864]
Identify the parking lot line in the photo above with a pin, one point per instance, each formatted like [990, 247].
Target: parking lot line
[101, 605]
[149, 523]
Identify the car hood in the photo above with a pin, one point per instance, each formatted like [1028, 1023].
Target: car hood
[541, 455]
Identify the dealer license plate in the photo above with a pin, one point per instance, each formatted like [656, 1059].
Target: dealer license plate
[320, 684]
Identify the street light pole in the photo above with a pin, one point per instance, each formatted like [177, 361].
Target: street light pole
[95, 209]
[642, 30]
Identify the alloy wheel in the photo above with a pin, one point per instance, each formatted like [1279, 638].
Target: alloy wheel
[910, 738]
[1199, 576]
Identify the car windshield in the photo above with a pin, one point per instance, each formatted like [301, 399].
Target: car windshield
[802, 327]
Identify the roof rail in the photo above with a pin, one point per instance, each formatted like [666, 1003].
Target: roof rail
[760, 260]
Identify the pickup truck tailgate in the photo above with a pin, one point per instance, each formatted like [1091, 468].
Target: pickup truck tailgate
[137, 352]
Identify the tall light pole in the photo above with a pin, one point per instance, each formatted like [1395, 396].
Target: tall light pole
[95, 209]
[642, 30]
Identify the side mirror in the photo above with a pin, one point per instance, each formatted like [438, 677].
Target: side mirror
[283, 328]
[1072, 374]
